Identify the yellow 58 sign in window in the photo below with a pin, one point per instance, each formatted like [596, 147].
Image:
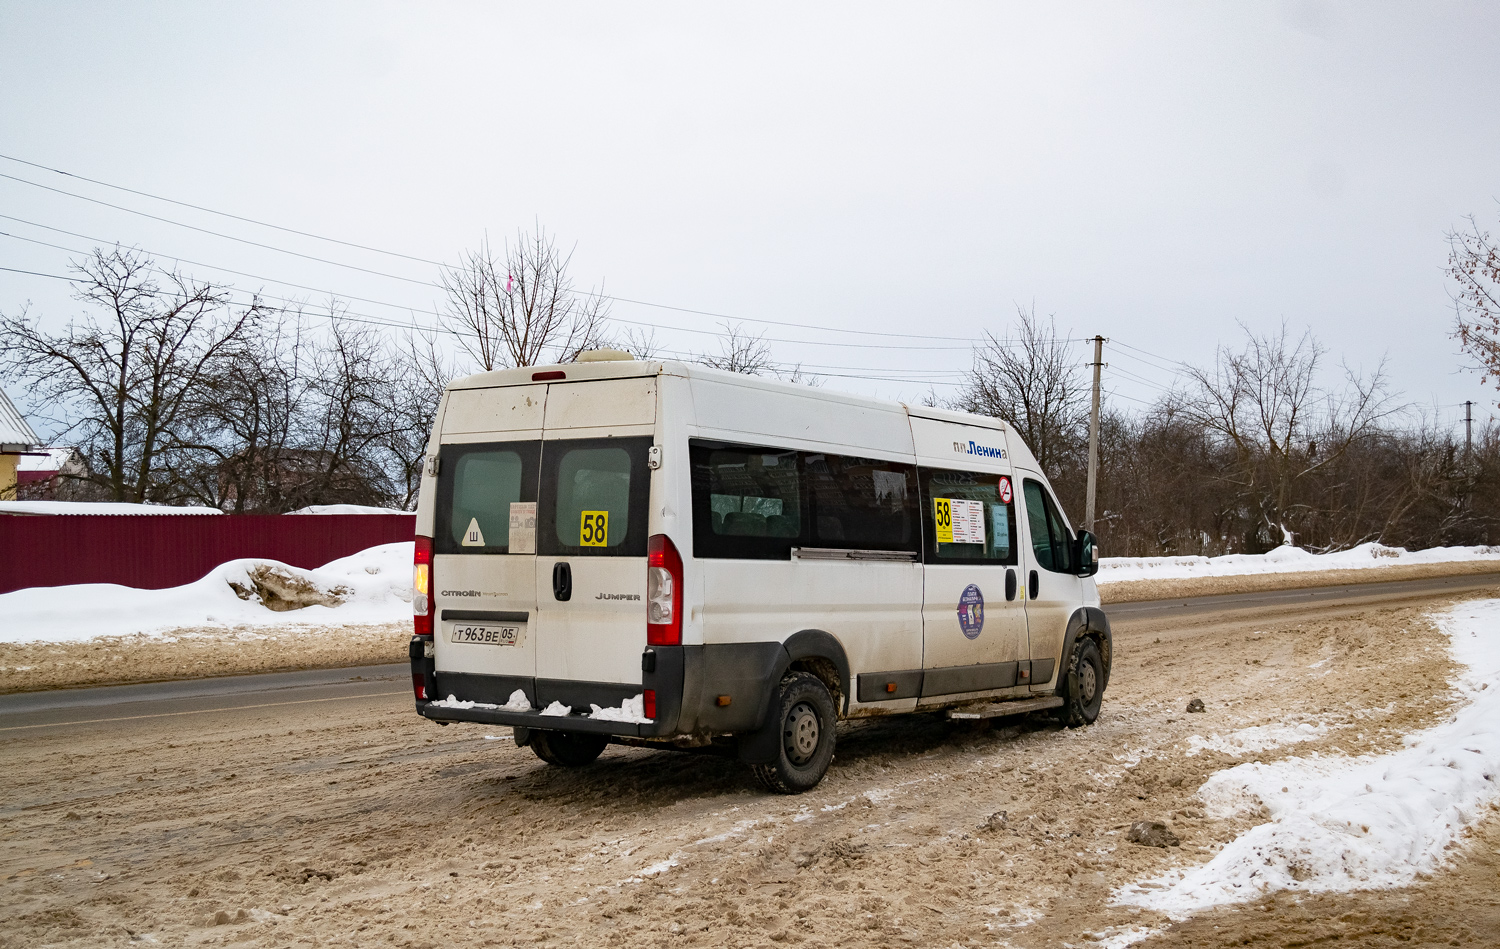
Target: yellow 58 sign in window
[593, 531]
[958, 521]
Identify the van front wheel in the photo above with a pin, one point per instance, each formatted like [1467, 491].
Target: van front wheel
[1083, 685]
[805, 749]
[567, 749]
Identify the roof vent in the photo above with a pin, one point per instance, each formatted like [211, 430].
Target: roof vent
[605, 355]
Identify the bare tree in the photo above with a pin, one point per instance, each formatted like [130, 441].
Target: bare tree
[423, 373]
[640, 343]
[1474, 265]
[124, 376]
[740, 351]
[1032, 380]
[246, 418]
[1266, 403]
[520, 309]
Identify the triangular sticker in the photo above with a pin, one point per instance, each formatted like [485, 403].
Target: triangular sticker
[473, 537]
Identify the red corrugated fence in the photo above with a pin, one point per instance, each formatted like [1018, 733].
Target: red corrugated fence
[166, 550]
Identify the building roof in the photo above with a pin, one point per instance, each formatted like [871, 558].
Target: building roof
[49, 460]
[15, 434]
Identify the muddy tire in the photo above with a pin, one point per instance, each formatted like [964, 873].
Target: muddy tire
[807, 716]
[1082, 685]
[567, 749]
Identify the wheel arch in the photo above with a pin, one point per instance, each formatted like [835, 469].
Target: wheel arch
[820, 653]
[1091, 622]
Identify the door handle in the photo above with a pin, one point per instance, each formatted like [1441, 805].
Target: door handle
[1010, 583]
[562, 580]
[1034, 586]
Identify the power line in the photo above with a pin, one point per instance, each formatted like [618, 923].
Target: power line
[236, 217]
[227, 237]
[618, 299]
[347, 296]
[355, 317]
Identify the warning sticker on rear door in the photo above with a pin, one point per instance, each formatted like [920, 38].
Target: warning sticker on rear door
[958, 521]
[473, 536]
[523, 527]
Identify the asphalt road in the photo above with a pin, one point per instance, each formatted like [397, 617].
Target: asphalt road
[30, 712]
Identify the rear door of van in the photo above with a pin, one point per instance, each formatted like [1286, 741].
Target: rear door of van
[484, 548]
[592, 528]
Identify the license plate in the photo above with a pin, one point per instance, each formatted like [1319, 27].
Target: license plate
[485, 635]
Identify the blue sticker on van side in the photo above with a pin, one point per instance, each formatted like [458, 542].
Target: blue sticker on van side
[971, 611]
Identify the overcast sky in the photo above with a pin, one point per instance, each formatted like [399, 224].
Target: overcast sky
[1154, 173]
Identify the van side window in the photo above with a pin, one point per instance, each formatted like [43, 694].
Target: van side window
[1051, 541]
[594, 497]
[747, 501]
[758, 503]
[965, 520]
[861, 503]
[474, 501]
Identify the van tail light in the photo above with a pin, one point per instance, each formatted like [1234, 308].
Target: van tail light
[648, 702]
[421, 587]
[419, 686]
[663, 592]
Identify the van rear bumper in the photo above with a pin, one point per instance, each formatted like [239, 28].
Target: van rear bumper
[536, 720]
[700, 690]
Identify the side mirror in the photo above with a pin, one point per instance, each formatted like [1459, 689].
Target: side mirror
[1086, 554]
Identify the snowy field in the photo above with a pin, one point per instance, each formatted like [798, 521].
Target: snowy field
[372, 587]
[1352, 823]
[1282, 560]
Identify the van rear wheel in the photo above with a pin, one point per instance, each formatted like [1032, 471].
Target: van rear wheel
[805, 749]
[567, 749]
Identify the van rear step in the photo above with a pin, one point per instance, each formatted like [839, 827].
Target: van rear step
[997, 709]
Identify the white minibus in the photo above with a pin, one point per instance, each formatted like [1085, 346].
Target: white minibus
[666, 555]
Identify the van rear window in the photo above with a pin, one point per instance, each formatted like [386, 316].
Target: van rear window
[594, 497]
[480, 487]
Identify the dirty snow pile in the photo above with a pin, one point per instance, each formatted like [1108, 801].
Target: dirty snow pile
[100, 507]
[370, 587]
[516, 703]
[631, 710]
[1284, 559]
[1357, 823]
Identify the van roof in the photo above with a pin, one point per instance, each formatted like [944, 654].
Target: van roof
[623, 369]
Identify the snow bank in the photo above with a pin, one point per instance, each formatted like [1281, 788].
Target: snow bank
[372, 586]
[346, 509]
[97, 507]
[1281, 560]
[1363, 823]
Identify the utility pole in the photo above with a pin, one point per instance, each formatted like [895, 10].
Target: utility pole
[1468, 430]
[1098, 363]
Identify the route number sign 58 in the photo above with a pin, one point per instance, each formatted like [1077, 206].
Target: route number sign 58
[593, 531]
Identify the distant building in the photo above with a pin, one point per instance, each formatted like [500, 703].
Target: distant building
[16, 441]
[46, 474]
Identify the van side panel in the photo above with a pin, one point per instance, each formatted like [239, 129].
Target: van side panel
[754, 412]
[873, 608]
[959, 660]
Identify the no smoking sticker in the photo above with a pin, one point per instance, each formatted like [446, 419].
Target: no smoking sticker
[1004, 490]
